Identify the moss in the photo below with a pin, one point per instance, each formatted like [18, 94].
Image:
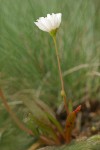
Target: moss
[92, 143]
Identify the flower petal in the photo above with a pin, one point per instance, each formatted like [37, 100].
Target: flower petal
[49, 23]
[40, 26]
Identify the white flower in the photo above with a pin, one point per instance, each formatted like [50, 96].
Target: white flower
[49, 23]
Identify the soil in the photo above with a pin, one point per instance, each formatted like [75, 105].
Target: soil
[87, 120]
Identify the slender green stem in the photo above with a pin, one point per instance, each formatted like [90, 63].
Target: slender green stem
[58, 60]
[60, 74]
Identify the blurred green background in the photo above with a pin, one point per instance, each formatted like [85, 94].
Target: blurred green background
[28, 60]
